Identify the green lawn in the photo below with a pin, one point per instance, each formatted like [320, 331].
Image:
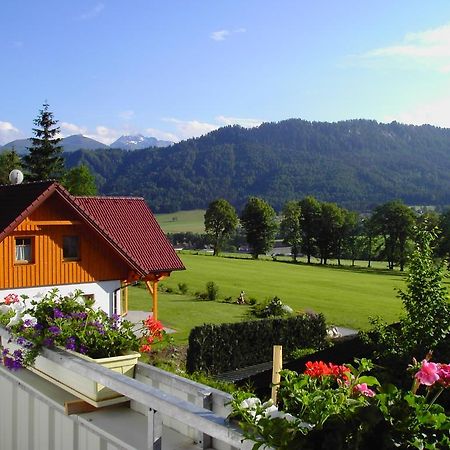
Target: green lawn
[182, 221]
[346, 296]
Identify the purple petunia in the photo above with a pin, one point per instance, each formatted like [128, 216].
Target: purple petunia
[57, 313]
[48, 342]
[54, 329]
[71, 344]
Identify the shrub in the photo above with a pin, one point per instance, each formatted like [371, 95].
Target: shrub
[229, 346]
[212, 291]
[270, 308]
[183, 288]
[425, 300]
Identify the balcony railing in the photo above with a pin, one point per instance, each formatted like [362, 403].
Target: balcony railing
[157, 397]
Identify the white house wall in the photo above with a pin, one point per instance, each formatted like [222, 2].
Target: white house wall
[103, 292]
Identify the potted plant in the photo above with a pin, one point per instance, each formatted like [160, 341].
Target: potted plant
[71, 322]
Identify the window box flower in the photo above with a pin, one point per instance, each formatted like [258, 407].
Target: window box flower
[71, 323]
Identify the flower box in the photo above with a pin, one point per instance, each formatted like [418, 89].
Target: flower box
[89, 390]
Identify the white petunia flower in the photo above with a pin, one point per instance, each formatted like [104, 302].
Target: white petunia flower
[31, 320]
[250, 402]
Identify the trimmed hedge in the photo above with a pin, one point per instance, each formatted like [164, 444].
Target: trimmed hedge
[229, 346]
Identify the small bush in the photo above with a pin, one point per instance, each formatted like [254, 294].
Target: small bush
[201, 295]
[183, 288]
[212, 291]
[270, 308]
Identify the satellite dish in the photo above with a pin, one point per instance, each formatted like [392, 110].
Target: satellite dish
[15, 176]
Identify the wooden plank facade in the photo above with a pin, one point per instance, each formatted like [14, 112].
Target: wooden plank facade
[46, 227]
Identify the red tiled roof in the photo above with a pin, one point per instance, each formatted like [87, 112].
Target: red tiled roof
[131, 226]
[125, 223]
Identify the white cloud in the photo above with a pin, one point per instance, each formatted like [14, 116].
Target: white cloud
[190, 128]
[436, 112]
[8, 132]
[94, 12]
[221, 35]
[67, 129]
[162, 135]
[105, 134]
[430, 49]
[246, 123]
[185, 129]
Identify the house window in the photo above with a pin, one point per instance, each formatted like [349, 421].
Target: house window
[71, 247]
[24, 250]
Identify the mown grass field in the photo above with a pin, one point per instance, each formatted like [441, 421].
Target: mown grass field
[182, 221]
[347, 296]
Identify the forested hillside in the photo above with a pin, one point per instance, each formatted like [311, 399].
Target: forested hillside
[356, 163]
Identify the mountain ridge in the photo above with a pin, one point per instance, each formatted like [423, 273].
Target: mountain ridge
[356, 163]
[76, 142]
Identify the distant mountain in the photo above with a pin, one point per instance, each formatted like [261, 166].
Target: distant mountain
[355, 163]
[138, 142]
[80, 142]
[19, 145]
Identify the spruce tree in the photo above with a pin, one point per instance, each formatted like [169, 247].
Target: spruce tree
[45, 160]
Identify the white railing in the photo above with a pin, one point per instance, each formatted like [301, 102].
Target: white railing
[156, 403]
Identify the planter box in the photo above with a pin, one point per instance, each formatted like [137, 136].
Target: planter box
[92, 392]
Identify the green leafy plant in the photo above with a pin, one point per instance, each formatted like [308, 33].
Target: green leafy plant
[183, 288]
[71, 322]
[270, 308]
[338, 407]
[212, 291]
[426, 322]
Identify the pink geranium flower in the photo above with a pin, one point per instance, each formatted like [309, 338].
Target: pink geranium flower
[428, 373]
[363, 389]
[444, 374]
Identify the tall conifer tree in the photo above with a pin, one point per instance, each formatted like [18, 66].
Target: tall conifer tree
[45, 160]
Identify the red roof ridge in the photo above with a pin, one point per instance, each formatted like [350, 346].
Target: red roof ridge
[108, 197]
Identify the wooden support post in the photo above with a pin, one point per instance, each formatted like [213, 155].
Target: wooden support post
[152, 287]
[277, 366]
[154, 430]
[155, 300]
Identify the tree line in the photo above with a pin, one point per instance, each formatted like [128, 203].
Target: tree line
[325, 230]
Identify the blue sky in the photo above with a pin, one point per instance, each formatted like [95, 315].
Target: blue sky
[177, 69]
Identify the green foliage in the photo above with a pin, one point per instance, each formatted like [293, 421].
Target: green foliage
[9, 160]
[331, 222]
[79, 181]
[219, 348]
[212, 291]
[44, 160]
[337, 407]
[425, 300]
[355, 163]
[290, 227]
[183, 288]
[309, 221]
[220, 221]
[394, 221]
[259, 221]
[270, 308]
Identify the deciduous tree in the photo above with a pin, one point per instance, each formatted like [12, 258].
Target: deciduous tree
[310, 216]
[259, 221]
[9, 160]
[220, 221]
[80, 181]
[290, 227]
[394, 221]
